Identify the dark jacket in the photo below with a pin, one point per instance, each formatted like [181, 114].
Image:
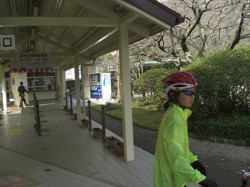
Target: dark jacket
[22, 90]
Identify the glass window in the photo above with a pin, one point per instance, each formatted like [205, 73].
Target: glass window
[50, 83]
[37, 74]
[41, 81]
[50, 73]
[30, 74]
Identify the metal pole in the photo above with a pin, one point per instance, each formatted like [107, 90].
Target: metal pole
[90, 125]
[71, 104]
[66, 100]
[103, 124]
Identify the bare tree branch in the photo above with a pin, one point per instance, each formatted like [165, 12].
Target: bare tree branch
[238, 32]
[245, 36]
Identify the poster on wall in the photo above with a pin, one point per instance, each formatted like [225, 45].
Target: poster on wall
[106, 86]
[95, 87]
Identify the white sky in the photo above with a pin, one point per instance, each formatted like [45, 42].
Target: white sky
[70, 74]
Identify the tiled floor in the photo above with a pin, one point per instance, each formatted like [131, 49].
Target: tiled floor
[65, 155]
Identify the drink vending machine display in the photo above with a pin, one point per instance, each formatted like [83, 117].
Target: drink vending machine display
[95, 86]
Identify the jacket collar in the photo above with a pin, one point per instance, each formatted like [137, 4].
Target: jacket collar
[184, 112]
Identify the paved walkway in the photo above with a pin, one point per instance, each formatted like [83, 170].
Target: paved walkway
[65, 155]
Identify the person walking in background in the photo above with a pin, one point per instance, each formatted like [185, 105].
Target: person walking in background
[22, 90]
[175, 165]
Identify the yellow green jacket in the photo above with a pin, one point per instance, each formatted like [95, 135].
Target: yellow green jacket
[172, 156]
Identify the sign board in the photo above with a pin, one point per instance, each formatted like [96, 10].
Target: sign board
[7, 42]
[106, 85]
[33, 61]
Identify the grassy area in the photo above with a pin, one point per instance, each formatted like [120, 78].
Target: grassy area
[147, 118]
[233, 127]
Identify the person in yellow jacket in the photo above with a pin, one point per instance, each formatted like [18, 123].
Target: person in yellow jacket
[175, 165]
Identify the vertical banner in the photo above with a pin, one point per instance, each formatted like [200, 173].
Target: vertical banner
[106, 86]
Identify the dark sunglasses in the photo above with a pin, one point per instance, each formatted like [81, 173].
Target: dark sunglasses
[189, 92]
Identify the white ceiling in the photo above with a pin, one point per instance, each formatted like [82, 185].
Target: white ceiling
[87, 28]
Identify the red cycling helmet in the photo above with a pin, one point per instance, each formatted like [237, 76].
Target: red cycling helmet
[179, 81]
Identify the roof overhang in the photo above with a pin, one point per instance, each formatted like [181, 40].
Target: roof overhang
[87, 28]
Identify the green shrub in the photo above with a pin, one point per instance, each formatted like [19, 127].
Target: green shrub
[223, 83]
[144, 103]
[234, 128]
[70, 85]
[150, 86]
[112, 106]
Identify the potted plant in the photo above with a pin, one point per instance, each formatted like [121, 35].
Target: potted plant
[97, 133]
[65, 107]
[74, 117]
[119, 148]
[70, 111]
[85, 123]
[110, 142]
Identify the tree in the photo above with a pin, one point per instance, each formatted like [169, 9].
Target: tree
[209, 25]
[223, 83]
[150, 86]
[245, 13]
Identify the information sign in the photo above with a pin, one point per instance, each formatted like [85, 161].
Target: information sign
[7, 42]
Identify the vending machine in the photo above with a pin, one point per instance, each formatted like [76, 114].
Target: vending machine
[95, 86]
[100, 86]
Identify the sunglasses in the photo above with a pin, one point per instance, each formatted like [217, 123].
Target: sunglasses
[188, 92]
